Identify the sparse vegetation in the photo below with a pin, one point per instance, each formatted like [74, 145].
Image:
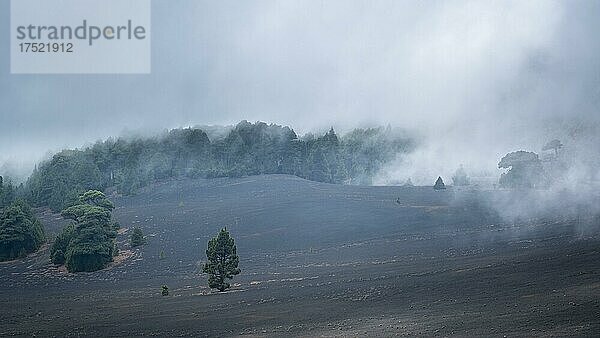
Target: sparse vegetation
[164, 290]
[88, 243]
[222, 262]
[20, 231]
[137, 237]
[285, 277]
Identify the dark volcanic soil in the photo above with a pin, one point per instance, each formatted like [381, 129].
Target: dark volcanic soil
[318, 260]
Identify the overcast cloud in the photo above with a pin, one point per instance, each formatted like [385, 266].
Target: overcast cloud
[476, 78]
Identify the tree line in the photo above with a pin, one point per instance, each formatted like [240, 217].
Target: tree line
[247, 149]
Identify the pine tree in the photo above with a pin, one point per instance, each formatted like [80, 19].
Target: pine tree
[222, 262]
[439, 184]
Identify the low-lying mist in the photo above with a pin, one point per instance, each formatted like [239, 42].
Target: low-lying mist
[473, 81]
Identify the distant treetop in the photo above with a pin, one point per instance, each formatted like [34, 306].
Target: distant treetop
[460, 177]
[553, 145]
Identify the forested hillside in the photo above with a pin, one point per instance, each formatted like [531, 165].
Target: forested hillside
[247, 149]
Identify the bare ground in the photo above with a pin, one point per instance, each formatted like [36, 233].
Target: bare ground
[318, 260]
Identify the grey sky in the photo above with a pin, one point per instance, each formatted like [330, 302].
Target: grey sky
[477, 78]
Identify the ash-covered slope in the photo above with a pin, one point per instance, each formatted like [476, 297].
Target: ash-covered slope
[279, 212]
[318, 259]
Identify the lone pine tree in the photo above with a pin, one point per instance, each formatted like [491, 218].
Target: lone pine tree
[222, 263]
[439, 184]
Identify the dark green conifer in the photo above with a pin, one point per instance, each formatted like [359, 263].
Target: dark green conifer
[222, 262]
[20, 231]
[439, 184]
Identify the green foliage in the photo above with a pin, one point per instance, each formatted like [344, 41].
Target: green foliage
[20, 231]
[137, 237]
[58, 182]
[90, 250]
[164, 290]
[247, 149]
[59, 247]
[88, 243]
[222, 263]
[8, 192]
[96, 198]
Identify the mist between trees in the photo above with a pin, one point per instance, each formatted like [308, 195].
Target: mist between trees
[128, 164]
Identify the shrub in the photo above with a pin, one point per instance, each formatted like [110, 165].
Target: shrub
[137, 237]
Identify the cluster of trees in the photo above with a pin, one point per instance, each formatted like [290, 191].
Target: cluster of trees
[20, 231]
[246, 149]
[87, 244]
